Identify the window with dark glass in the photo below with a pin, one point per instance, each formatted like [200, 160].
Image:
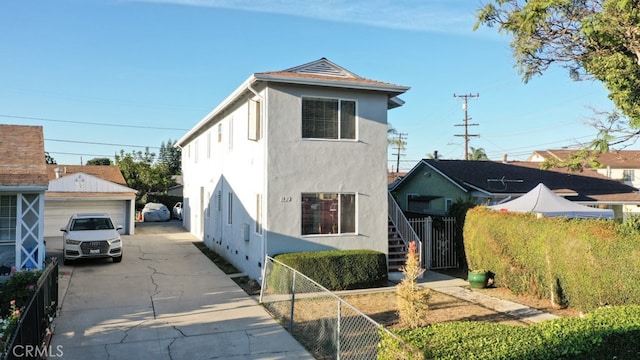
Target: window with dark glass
[328, 213]
[328, 118]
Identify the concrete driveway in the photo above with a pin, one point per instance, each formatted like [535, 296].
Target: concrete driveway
[165, 300]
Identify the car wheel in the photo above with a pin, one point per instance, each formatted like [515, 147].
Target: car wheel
[66, 261]
[117, 259]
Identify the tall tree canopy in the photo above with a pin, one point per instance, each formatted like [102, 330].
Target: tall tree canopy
[143, 173]
[477, 154]
[171, 156]
[593, 39]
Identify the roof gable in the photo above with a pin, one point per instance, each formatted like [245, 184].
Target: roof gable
[323, 72]
[322, 67]
[85, 183]
[23, 161]
[110, 173]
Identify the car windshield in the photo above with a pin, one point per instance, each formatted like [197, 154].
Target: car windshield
[91, 224]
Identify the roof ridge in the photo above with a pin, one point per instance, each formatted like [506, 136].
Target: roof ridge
[322, 66]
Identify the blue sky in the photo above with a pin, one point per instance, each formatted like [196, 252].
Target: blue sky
[105, 75]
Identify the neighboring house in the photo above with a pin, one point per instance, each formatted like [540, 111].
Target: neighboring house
[432, 186]
[87, 189]
[23, 181]
[292, 160]
[176, 190]
[621, 165]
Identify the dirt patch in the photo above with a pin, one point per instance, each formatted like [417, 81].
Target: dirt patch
[382, 307]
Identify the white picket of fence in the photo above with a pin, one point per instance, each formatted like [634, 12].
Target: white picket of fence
[438, 240]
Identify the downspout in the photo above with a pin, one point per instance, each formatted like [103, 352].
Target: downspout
[265, 214]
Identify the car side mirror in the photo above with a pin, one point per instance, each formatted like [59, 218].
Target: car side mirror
[63, 229]
[119, 227]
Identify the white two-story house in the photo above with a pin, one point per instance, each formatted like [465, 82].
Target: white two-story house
[292, 160]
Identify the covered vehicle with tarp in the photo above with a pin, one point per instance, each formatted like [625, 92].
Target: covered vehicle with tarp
[544, 202]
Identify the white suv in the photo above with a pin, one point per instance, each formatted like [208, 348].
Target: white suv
[91, 236]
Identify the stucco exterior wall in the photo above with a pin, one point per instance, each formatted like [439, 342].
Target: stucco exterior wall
[297, 165]
[221, 163]
[281, 166]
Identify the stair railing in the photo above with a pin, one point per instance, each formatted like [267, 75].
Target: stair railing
[403, 227]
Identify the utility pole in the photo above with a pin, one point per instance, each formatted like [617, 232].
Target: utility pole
[466, 124]
[400, 143]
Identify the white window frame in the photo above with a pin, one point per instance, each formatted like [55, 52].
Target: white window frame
[339, 114]
[230, 126]
[255, 120]
[8, 218]
[258, 223]
[196, 146]
[324, 219]
[209, 144]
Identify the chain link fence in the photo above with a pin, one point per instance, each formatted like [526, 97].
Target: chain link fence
[326, 325]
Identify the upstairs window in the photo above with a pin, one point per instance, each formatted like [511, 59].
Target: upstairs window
[628, 175]
[254, 120]
[328, 118]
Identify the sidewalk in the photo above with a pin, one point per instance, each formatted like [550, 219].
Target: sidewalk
[459, 288]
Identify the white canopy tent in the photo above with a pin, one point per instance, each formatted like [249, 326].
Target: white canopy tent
[542, 201]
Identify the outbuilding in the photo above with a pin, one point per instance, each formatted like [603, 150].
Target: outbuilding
[87, 189]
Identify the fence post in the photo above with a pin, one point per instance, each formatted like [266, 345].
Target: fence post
[428, 232]
[293, 300]
[338, 330]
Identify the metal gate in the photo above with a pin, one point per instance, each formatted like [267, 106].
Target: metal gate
[438, 237]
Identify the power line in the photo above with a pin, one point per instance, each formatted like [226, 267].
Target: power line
[90, 123]
[106, 144]
[66, 153]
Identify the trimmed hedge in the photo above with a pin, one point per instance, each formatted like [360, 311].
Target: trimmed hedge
[339, 269]
[606, 333]
[585, 264]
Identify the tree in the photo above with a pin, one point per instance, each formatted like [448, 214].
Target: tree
[99, 161]
[478, 154]
[142, 173]
[593, 39]
[394, 139]
[171, 157]
[48, 159]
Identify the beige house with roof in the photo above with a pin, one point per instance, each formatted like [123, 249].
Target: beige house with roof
[23, 181]
[292, 160]
[87, 189]
[622, 165]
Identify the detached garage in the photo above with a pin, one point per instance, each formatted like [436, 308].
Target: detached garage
[74, 189]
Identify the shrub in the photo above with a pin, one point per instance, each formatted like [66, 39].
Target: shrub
[413, 300]
[585, 264]
[607, 333]
[17, 289]
[340, 269]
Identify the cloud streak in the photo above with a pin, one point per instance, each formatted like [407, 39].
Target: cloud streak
[440, 16]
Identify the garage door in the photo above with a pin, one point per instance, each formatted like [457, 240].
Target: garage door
[57, 213]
